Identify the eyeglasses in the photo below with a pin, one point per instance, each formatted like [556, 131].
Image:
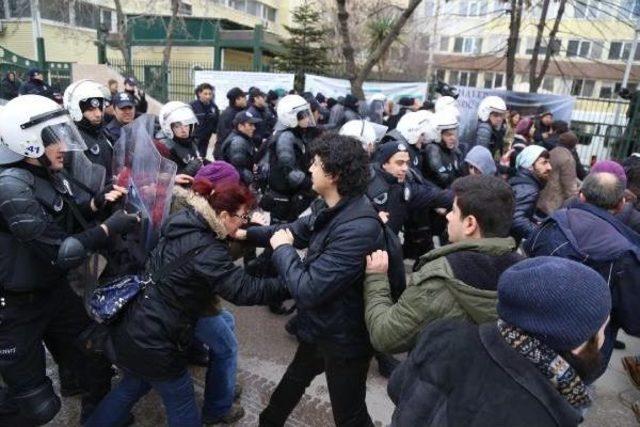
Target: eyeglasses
[244, 217]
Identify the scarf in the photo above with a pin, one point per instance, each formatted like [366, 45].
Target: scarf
[563, 377]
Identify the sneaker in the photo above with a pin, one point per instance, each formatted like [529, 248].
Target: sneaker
[235, 413]
[631, 365]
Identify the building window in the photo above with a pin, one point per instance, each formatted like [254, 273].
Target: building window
[423, 42]
[493, 80]
[55, 10]
[467, 45]
[473, 7]
[583, 88]
[629, 8]
[440, 74]
[606, 92]
[579, 48]
[620, 51]
[585, 9]
[556, 46]
[548, 84]
[454, 78]
[444, 44]
[463, 78]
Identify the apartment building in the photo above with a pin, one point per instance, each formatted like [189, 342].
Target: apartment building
[469, 41]
[69, 26]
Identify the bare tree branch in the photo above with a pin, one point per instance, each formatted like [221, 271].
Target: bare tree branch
[534, 84]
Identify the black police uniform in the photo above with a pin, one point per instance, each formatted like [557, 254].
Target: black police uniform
[289, 192]
[207, 115]
[40, 241]
[185, 153]
[99, 149]
[239, 150]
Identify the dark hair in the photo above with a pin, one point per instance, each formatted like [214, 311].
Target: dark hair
[633, 178]
[203, 86]
[560, 126]
[226, 196]
[603, 190]
[489, 199]
[343, 157]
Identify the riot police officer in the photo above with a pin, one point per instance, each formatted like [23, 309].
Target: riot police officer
[178, 123]
[491, 125]
[86, 100]
[443, 158]
[42, 237]
[289, 192]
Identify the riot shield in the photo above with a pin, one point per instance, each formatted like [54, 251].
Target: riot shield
[86, 178]
[124, 148]
[150, 187]
[375, 111]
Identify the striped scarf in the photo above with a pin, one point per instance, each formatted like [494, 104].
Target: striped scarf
[563, 377]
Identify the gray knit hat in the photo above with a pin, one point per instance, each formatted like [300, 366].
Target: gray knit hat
[480, 158]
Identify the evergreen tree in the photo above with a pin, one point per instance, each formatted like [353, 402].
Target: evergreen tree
[306, 48]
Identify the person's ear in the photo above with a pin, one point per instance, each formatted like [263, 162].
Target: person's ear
[470, 225]
[582, 198]
[620, 205]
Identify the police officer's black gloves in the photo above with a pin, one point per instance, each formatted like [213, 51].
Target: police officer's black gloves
[121, 222]
[192, 167]
[99, 200]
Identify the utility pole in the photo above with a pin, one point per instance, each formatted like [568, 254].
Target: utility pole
[433, 43]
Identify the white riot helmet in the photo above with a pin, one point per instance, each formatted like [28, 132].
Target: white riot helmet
[378, 97]
[447, 103]
[491, 104]
[84, 91]
[412, 125]
[29, 123]
[359, 129]
[176, 112]
[444, 120]
[292, 108]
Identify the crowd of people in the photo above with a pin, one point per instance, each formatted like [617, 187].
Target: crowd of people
[524, 261]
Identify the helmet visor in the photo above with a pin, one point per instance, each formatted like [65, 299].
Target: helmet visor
[303, 113]
[63, 133]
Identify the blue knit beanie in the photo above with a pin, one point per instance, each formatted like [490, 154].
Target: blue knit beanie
[560, 302]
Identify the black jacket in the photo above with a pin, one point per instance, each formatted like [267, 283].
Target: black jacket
[99, 149]
[36, 87]
[289, 162]
[630, 216]
[207, 120]
[401, 199]
[443, 166]
[461, 374]
[10, 89]
[393, 120]
[151, 338]
[491, 138]
[264, 129]
[239, 151]
[526, 190]
[36, 217]
[112, 131]
[327, 285]
[225, 126]
[184, 152]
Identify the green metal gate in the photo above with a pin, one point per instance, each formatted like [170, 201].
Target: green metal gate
[57, 74]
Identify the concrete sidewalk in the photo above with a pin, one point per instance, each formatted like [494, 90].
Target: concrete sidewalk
[266, 349]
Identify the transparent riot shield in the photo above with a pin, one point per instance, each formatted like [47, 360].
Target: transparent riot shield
[375, 111]
[85, 177]
[150, 188]
[124, 148]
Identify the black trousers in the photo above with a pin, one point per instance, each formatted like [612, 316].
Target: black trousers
[55, 318]
[346, 379]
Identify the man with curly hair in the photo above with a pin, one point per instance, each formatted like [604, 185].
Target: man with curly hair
[327, 286]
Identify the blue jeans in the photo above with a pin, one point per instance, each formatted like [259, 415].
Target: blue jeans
[177, 396]
[218, 333]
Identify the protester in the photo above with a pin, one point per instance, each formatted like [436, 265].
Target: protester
[458, 280]
[10, 86]
[532, 367]
[513, 118]
[112, 85]
[587, 231]
[207, 112]
[327, 286]
[563, 182]
[533, 172]
[543, 128]
[480, 162]
[150, 339]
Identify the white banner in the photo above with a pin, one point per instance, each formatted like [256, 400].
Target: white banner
[333, 88]
[223, 81]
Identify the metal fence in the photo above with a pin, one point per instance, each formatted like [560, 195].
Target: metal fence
[175, 85]
[58, 74]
